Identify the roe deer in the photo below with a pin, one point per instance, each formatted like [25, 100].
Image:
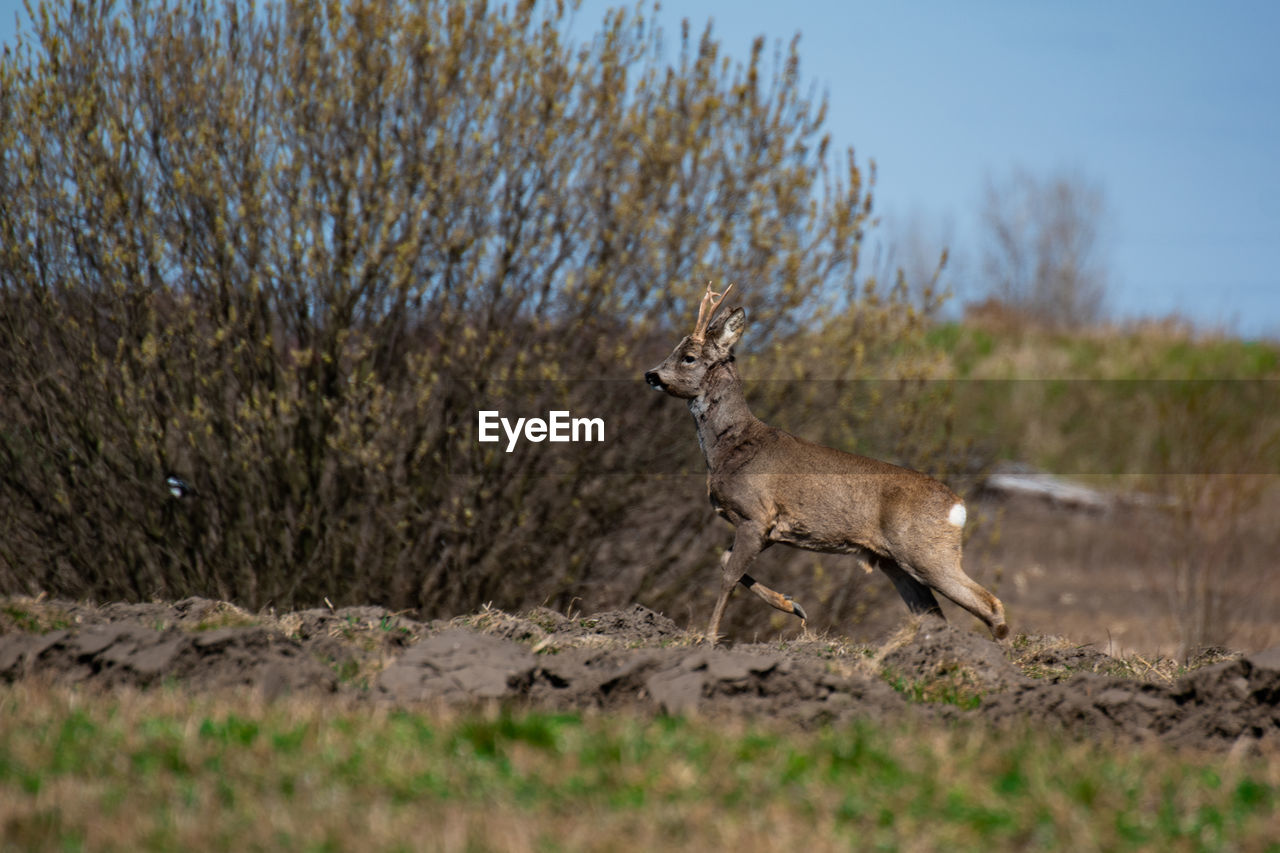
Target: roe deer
[774, 487]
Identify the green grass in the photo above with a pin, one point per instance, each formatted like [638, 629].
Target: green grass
[1173, 403]
[31, 616]
[956, 685]
[975, 352]
[168, 771]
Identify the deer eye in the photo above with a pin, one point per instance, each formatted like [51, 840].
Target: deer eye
[688, 359]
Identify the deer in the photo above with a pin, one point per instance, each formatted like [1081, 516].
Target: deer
[775, 487]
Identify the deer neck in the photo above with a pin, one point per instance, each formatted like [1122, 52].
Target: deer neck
[721, 414]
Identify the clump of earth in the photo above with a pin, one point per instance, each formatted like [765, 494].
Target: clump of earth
[641, 661]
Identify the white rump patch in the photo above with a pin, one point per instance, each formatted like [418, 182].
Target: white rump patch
[957, 515]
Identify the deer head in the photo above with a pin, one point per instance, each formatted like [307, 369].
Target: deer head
[684, 372]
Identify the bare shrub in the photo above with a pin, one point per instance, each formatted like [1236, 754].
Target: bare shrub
[1043, 255]
[285, 252]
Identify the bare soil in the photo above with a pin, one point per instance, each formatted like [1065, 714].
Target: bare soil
[637, 660]
[1111, 577]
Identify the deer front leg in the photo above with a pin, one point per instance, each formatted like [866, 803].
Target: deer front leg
[785, 603]
[748, 541]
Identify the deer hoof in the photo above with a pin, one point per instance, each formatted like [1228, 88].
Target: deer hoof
[797, 609]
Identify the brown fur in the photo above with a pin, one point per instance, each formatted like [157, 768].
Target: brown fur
[775, 487]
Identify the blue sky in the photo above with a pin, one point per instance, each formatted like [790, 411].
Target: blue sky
[1173, 108]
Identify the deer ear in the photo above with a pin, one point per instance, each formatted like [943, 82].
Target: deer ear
[731, 328]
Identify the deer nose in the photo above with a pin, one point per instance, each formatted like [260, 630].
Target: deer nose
[652, 378]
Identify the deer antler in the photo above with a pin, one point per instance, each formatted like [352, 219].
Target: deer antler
[710, 302]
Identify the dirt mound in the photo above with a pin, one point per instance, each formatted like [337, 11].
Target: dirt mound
[1234, 704]
[639, 660]
[1056, 663]
[940, 650]
[460, 665]
[548, 630]
[116, 654]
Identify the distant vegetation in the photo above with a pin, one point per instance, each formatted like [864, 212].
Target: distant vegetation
[1144, 400]
[1044, 255]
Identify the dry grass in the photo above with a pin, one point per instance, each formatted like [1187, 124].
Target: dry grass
[33, 615]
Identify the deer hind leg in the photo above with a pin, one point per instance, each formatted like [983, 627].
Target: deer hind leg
[748, 541]
[919, 598]
[952, 582]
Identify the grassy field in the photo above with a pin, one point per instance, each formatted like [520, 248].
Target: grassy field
[165, 770]
[1154, 351]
